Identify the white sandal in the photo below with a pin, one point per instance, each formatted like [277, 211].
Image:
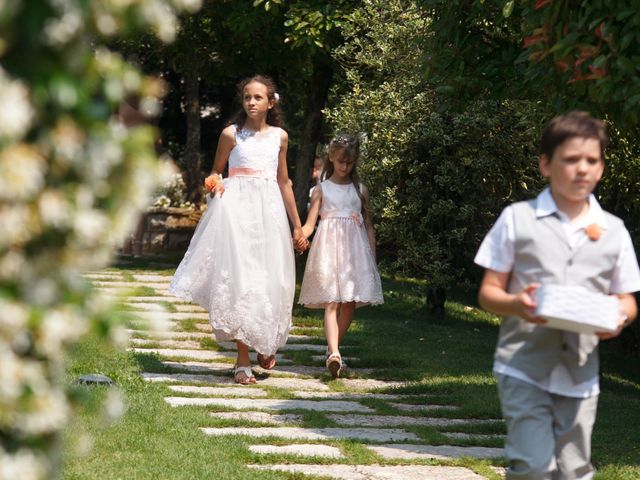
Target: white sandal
[250, 378]
[334, 364]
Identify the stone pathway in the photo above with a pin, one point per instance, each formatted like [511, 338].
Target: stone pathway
[275, 414]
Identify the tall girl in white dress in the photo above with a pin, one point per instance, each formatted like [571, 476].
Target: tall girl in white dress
[341, 272]
[240, 264]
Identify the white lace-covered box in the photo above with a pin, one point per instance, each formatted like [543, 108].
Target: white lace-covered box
[576, 309]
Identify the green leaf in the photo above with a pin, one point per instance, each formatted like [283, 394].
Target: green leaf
[600, 61]
[507, 10]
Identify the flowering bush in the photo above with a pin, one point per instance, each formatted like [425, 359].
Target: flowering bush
[173, 194]
[73, 179]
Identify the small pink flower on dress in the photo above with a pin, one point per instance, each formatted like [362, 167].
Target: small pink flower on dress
[593, 231]
[357, 217]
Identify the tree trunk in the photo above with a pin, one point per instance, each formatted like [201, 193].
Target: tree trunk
[193, 160]
[319, 90]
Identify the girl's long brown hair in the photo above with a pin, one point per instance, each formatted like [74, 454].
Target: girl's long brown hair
[275, 116]
[349, 145]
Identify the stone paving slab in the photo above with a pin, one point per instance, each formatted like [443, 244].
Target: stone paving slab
[270, 404]
[159, 298]
[472, 436]
[146, 306]
[183, 344]
[164, 334]
[418, 408]
[347, 395]
[299, 433]
[323, 358]
[260, 417]
[288, 346]
[279, 382]
[147, 277]
[188, 378]
[394, 421]
[203, 327]
[103, 277]
[198, 354]
[303, 338]
[172, 315]
[368, 384]
[299, 449]
[440, 452]
[280, 370]
[241, 391]
[377, 472]
[189, 307]
[116, 284]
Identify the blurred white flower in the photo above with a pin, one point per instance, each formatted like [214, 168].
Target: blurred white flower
[67, 141]
[11, 379]
[47, 412]
[15, 225]
[119, 337]
[13, 263]
[162, 201]
[59, 326]
[162, 18]
[22, 171]
[54, 208]
[23, 464]
[114, 406]
[106, 23]
[188, 5]
[150, 107]
[102, 155]
[81, 444]
[44, 291]
[90, 226]
[59, 31]
[131, 80]
[14, 317]
[16, 112]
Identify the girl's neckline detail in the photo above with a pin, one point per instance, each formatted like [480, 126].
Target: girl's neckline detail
[340, 184]
[251, 130]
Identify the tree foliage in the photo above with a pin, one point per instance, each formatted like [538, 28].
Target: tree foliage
[438, 179]
[570, 53]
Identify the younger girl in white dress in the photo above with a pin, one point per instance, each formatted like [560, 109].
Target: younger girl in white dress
[240, 263]
[341, 272]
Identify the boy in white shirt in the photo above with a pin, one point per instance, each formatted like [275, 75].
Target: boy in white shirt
[548, 378]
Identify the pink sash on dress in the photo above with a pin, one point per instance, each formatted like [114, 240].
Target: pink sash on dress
[252, 172]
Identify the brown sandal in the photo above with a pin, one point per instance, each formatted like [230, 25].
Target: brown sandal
[334, 364]
[267, 362]
[243, 375]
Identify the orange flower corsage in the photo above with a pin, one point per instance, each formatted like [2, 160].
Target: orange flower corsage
[211, 181]
[593, 231]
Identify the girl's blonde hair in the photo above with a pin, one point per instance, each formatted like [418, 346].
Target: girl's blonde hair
[274, 116]
[349, 145]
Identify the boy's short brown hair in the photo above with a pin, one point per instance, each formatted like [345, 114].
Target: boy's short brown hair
[573, 124]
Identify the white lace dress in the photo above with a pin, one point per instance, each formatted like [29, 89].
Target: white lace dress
[340, 266]
[240, 263]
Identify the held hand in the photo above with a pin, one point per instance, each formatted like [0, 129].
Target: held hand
[524, 304]
[218, 191]
[300, 242]
[622, 322]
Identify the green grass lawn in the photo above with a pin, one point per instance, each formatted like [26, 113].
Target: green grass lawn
[449, 359]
